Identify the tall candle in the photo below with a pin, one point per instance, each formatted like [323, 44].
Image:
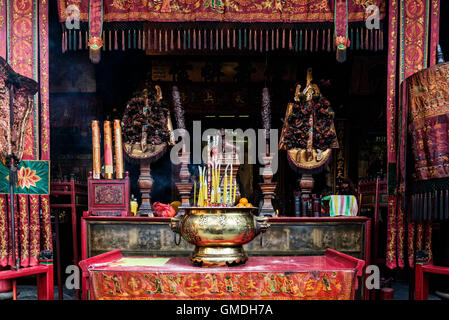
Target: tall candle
[118, 150]
[230, 187]
[108, 166]
[96, 153]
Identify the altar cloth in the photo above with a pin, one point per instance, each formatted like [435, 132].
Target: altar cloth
[329, 277]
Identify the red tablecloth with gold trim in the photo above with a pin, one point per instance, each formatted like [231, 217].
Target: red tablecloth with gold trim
[329, 277]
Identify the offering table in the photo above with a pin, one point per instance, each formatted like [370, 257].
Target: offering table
[110, 276]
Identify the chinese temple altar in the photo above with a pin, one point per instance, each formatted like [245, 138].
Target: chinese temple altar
[347, 101]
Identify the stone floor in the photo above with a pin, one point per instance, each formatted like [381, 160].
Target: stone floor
[401, 291]
[29, 292]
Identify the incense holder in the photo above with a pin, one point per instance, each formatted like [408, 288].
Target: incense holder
[219, 233]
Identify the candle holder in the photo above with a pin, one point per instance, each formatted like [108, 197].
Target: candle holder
[268, 188]
[184, 186]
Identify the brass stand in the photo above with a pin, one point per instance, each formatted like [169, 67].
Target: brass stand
[268, 187]
[146, 186]
[184, 186]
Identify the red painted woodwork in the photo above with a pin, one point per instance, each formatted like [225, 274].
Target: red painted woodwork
[422, 273]
[116, 203]
[332, 261]
[44, 276]
[76, 191]
[374, 189]
[386, 294]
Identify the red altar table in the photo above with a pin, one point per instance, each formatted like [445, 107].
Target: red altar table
[422, 272]
[114, 277]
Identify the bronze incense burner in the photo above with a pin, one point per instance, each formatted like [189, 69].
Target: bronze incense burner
[218, 233]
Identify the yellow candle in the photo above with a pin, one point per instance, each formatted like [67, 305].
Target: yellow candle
[225, 189]
[206, 196]
[96, 153]
[233, 196]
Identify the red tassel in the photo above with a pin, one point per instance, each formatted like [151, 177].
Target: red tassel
[199, 39]
[86, 46]
[221, 39]
[283, 38]
[312, 44]
[261, 41]
[311, 41]
[217, 40]
[316, 40]
[250, 42]
[272, 39]
[80, 42]
[205, 39]
[228, 39]
[211, 36]
[255, 40]
[381, 42]
[160, 40]
[328, 40]
[166, 40]
[194, 39]
[63, 42]
[179, 40]
[290, 44]
[115, 40]
[233, 38]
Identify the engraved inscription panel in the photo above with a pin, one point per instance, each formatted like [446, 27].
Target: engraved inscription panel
[108, 194]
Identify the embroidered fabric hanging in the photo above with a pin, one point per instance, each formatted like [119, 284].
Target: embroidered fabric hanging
[95, 30]
[341, 29]
[12, 137]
